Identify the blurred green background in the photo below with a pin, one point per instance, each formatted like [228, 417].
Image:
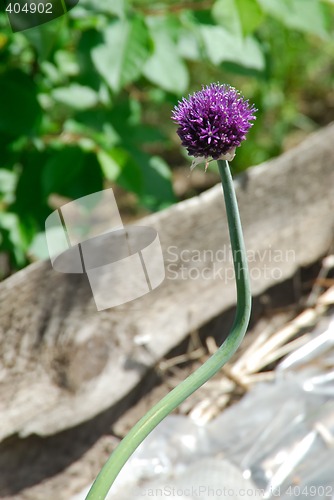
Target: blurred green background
[86, 99]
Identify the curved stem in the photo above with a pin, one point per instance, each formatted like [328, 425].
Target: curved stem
[154, 416]
[63, 4]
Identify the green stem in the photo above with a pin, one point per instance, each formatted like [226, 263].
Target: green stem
[64, 6]
[154, 416]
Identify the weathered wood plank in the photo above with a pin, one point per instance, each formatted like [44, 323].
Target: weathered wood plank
[62, 362]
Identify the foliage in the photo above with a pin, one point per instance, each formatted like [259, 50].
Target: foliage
[86, 98]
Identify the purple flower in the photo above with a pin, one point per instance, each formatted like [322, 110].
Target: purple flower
[214, 121]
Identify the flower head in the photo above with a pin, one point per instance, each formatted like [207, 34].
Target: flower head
[213, 121]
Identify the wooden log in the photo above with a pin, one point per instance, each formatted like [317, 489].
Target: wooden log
[63, 362]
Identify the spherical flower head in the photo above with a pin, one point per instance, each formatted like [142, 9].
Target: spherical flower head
[213, 122]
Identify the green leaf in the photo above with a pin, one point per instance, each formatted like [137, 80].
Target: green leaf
[51, 73]
[72, 172]
[158, 190]
[250, 15]
[226, 14]
[252, 55]
[89, 180]
[303, 15]
[120, 59]
[110, 168]
[30, 202]
[44, 37]
[131, 176]
[165, 68]
[67, 62]
[96, 124]
[90, 39]
[19, 110]
[148, 177]
[61, 169]
[145, 134]
[8, 180]
[115, 7]
[221, 46]
[76, 96]
[188, 46]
